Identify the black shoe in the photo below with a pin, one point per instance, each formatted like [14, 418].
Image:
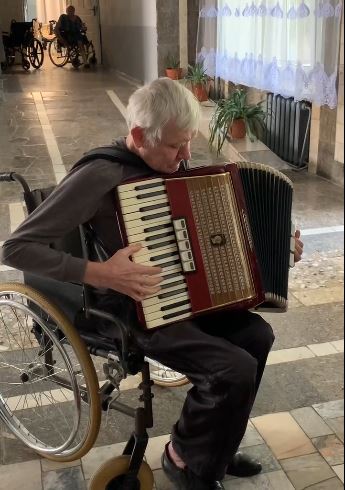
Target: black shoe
[185, 479]
[243, 465]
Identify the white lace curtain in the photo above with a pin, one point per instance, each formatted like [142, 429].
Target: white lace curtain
[288, 47]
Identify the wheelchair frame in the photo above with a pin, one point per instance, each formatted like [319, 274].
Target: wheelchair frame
[21, 40]
[61, 55]
[128, 472]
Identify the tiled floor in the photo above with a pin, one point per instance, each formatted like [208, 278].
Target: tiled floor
[300, 449]
[46, 121]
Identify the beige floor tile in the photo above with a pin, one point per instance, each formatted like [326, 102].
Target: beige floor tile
[289, 355]
[130, 382]
[99, 455]
[330, 484]
[155, 449]
[324, 349]
[330, 410]
[339, 345]
[251, 437]
[21, 476]
[339, 471]
[279, 481]
[293, 301]
[311, 422]
[337, 424]
[320, 296]
[283, 435]
[53, 465]
[305, 471]
[331, 448]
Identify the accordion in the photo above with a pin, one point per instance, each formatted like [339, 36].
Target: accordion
[222, 236]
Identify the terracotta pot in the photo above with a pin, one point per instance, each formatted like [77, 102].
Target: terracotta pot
[174, 73]
[200, 92]
[238, 129]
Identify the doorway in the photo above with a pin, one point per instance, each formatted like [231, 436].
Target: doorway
[88, 11]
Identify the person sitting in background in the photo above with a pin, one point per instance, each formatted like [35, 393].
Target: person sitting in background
[70, 31]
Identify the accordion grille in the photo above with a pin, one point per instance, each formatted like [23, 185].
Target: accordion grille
[222, 237]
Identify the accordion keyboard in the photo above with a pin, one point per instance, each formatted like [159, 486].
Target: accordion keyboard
[147, 218]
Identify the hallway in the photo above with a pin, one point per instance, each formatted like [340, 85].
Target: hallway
[48, 119]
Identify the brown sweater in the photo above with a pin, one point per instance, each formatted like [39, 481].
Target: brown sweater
[86, 194]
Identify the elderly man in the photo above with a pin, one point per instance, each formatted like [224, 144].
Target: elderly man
[223, 354]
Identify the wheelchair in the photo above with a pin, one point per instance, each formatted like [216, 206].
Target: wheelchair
[21, 40]
[52, 391]
[60, 54]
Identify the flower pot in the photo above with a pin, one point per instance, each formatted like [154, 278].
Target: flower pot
[238, 129]
[174, 73]
[200, 91]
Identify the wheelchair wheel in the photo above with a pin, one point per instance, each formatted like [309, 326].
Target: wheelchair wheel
[36, 53]
[166, 377]
[111, 475]
[58, 54]
[48, 385]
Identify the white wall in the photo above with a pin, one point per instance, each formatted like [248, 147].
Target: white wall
[129, 37]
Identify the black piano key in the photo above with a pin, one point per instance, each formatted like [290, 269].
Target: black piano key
[176, 313]
[151, 194]
[161, 244]
[155, 216]
[175, 305]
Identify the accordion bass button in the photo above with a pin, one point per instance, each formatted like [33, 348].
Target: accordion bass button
[180, 224]
[188, 266]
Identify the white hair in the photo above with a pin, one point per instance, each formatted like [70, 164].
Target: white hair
[152, 106]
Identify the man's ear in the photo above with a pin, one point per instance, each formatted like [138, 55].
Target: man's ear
[138, 136]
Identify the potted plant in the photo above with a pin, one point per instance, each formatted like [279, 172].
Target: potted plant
[173, 69]
[234, 118]
[198, 79]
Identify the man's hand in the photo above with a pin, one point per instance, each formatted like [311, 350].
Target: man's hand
[298, 246]
[121, 274]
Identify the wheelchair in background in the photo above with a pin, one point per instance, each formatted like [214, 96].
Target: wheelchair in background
[61, 54]
[55, 380]
[21, 40]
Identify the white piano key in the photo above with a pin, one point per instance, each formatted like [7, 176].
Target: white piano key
[141, 198]
[159, 261]
[130, 225]
[164, 303]
[172, 291]
[138, 237]
[152, 240]
[153, 207]
[153, 315]
[149, 185]
[159, 322]
[145, 253]
[151, 229]
[149, 215]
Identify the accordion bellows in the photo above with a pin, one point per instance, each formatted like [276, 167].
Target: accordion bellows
[221, 234]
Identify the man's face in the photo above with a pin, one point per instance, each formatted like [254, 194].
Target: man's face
[165, 156]
[70, 11]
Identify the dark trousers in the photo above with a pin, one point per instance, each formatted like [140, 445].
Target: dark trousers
[224, 356]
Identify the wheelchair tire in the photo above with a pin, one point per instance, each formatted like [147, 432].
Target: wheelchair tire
[58, 55]
[164, 376]
[45, 374]
[108, 476]
[35, 53]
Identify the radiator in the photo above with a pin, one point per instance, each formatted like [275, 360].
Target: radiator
[288, 129]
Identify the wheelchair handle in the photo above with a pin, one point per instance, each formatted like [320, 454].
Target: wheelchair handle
[7, 176]
[14, 177]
